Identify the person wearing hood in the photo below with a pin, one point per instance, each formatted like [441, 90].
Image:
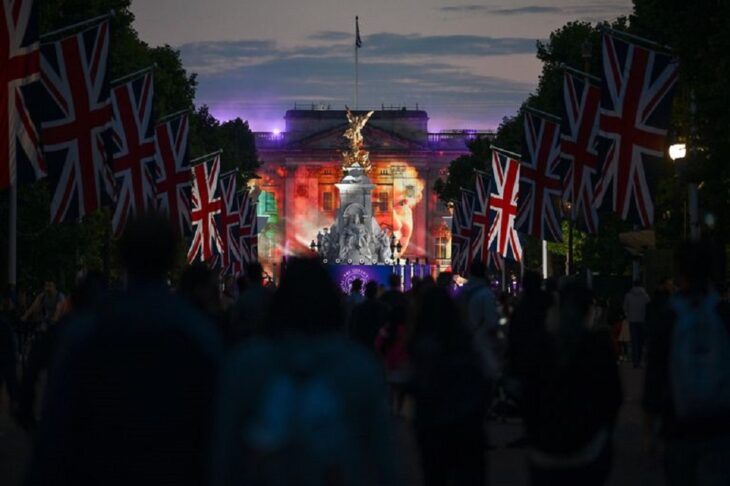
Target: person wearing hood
[635, 304]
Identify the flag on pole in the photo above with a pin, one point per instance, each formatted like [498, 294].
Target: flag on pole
[228, 225]
[461, 232]
[172, 169]
[479, 246]
[541, 185]
[206, 206]
[77, 128]
[358, 40]
[503, 238]
[19, 69]
[248, 227]
[133, 149]
[638, 85]
[579, 147]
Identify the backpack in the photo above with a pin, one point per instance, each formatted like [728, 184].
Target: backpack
[699, 358]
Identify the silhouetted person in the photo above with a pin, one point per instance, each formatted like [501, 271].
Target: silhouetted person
[368, 317]
[571, 398]
[526, 329]
[688, 375]
[199, 286]
[89, 291]
[305, 406]
[8, 369]
[527, 324]
[46, 307]
[354, 298]
[395, 301]
[479, 301]
[635, 305]
[451, 393]
[252, 307]
[130, 392]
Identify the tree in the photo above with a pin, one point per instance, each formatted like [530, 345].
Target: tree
[699, 35]
[234, 137]
[46, 250]
[565, 46]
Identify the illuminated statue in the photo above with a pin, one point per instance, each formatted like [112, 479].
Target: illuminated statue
[356, 155]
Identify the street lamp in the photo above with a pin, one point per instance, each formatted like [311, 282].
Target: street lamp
[678, 151]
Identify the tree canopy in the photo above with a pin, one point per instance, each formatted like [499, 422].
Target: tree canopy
[59, 251]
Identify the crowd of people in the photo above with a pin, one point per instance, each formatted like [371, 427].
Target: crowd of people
[238, 382]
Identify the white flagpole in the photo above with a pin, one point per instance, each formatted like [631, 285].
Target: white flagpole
[544, 260]
[13, 234]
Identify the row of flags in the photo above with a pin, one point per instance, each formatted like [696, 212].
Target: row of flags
[600, 156]
[98, 143]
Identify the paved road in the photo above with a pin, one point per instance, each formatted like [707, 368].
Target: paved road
[507, 465]
[631, 465]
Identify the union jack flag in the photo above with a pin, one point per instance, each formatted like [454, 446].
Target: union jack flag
[503, 238]
[541, 185]
[205, 207]
[581, 100]
[638, 84]
[461, 232]
[19, 68]
[248, 228]
[228, 224]
[133, 150]
[173, 171]
[479, 245]
[76, 133]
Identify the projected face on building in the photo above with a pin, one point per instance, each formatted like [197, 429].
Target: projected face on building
[302, 201]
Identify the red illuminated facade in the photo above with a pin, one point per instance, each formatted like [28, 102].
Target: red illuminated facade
[301, 166]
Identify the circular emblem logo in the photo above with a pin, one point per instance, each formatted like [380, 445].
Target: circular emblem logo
[350, 276]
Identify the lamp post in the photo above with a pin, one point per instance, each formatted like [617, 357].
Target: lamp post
[678, 151]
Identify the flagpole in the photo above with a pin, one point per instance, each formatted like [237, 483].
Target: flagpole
[13, 233]
[357, 67]
[544, 260]
[44, 37]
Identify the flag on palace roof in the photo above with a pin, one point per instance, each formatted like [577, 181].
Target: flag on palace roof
[20, 150]
[540, 186]
[172, 169]
[638, 86]
[503, 238]
[206, 206]
[76, 129]
[579, 147]
[133, 149]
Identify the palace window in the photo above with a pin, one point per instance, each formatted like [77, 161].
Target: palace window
[442, 248]
[269, 202]
[383, 202]
[327, 201]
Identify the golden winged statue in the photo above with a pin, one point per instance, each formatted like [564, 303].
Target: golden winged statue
[356, 154]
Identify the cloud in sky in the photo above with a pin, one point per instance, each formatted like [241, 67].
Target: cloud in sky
[259, 80]
[606, 9]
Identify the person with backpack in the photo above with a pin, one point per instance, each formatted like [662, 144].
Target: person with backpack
[571, 397]
[305, 404]
[687, 384]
